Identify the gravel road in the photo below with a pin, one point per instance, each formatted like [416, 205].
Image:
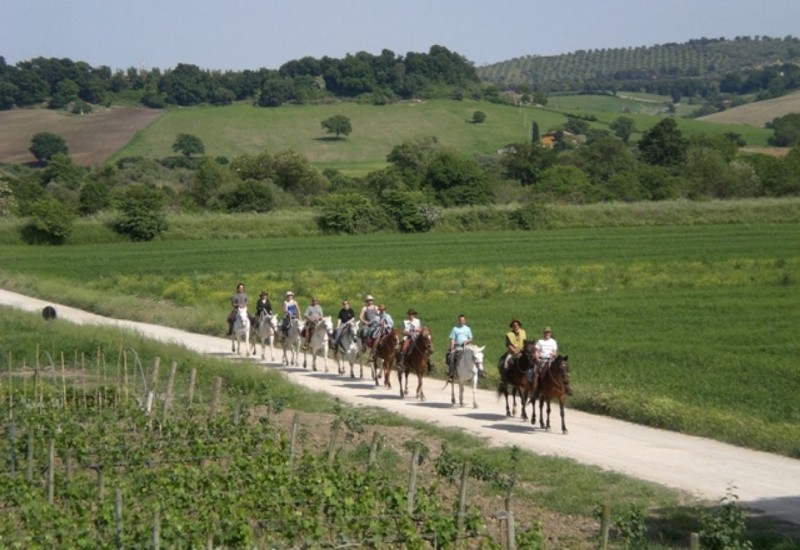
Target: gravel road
[699, 466]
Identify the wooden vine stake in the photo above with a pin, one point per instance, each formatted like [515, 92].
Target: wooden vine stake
[51, 463]
[605, 525]
[293, 443]
[412, 481]
[118, 517]
[373, 450]
[192, 380]
[215, 398]
[462, 498]
[63, 383]
[173, 369]
[694, 541]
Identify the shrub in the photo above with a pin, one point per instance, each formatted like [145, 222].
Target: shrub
[478, 117]
[410, 210]
[50, 223]
[349, 213]
[141, 217]
[45, 145]
[725, 527]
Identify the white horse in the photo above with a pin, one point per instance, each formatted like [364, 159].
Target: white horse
[291, 342]
[241, 331]
[348, 347]
[467, 369]
[264, 330]
[318, 342]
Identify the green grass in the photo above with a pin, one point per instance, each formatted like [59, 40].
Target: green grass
[690, 328]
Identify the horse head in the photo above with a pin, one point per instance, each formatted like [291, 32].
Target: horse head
[477, 355]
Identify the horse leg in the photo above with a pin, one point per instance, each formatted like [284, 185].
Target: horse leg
[475, 391]
[420, 393]
[561, 406]
[547, 427]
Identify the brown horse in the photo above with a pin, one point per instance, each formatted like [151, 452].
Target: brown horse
[416, 359]
[385, 353]
[553, 384]
[517, 376]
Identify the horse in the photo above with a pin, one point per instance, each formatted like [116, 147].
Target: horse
[291, 342]
[516, 375]
[385, 353]
[241, 331]
[416, 358]
[553, 383]
[347, 348]
[264, 329]
[318, 342]
[467, 369]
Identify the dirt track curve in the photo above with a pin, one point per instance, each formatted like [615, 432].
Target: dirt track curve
[699, 466]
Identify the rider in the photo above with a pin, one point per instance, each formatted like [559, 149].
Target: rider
[411, 328]
[382, 324]
[369, 314]
[515, 339]
[346, 315]
[238, 300]
[545, 350]
[312, 315]
[290, 310]
[460, 336]
[263, 305]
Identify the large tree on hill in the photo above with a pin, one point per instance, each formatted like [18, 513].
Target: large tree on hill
[44, 146]
[663, 144]
[338, 124]
[188, 145]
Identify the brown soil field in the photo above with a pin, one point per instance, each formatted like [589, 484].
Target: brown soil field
[759, 112]
[91, 138]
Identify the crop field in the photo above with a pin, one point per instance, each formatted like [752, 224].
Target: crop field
[689, 328]
[759, 113]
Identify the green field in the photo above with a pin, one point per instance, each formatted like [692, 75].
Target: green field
[690, 328]
[242, 128]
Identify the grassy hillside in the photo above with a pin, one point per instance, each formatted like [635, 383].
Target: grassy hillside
[242, 128]
[758, 113]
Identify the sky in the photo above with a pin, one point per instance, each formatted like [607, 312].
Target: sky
[251, 34]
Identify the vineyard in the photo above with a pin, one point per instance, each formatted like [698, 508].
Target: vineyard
[120, 456]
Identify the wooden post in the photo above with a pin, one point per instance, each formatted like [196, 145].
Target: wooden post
[101, 485]
[462, 497]
[118, 517]
[192, 380]
[237, 411]
[51, 466]
[12, 457]
[412, 481]
[694, 541]
[29, 464]
[605, 525]
[373, 450]
[511, 535]
[293, 441]
[63, 383]
[332, 443]
[125, 375]
[156, 528]
[154, 374]
[215, 398]
[173, 368]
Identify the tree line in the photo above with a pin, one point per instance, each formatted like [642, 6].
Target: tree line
[422, 177]
[376, 78]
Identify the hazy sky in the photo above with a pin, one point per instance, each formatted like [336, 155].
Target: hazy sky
[250, 34]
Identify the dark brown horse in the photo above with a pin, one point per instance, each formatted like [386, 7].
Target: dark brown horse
[517, 376]
[385, 353]
[416, 360]
[553, 384]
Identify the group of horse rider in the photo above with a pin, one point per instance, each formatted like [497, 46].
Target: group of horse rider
[544, 351]
[376, 321]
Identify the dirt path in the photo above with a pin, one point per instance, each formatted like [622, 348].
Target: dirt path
[699, 466]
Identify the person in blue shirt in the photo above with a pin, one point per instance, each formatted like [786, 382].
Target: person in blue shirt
[460, 336]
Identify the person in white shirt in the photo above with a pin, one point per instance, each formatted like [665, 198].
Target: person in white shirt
[545, 350]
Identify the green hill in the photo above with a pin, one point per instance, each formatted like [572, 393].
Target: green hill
[701, 58]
